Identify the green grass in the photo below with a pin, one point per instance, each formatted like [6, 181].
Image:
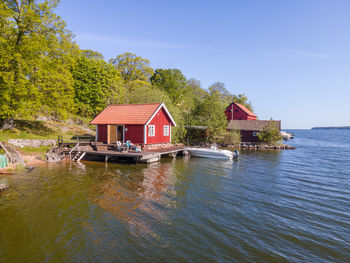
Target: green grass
[28, 129]
[32, 150]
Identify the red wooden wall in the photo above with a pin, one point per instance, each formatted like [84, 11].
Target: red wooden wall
[248, 136]
[238, 113]
[159, 121]
[134, 133]
[102, 133]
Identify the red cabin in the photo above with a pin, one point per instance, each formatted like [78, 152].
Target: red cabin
[236, 111]
[144, 124]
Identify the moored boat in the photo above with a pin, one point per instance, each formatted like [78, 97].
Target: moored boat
[212, 152]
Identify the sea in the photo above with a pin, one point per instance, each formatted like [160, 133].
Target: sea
[266, 206]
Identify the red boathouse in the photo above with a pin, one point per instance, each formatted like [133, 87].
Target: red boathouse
[144, 124]
[236, 111]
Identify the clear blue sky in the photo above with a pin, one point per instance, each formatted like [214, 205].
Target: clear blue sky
[291, 58]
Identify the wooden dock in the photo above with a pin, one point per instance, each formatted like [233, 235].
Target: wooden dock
[132, 156]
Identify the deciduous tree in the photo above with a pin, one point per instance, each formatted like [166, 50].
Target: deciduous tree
[36, 53]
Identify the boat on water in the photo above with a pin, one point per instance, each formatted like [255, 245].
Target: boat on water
[287, 135]
[213, 153]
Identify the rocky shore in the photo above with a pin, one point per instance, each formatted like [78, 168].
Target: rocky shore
[256, 146]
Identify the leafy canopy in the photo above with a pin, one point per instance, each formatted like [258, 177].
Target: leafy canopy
[270, 134]
[135, 71]
[36, 54]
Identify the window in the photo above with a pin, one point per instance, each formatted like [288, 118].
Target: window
[236, 110]
[166, 130]
[151, 130]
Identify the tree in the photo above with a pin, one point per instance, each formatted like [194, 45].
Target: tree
[96, 84]
[171, 81]
[224, 94]
[210, 113]
[135, 71]
[36, 51]
[270, 134]
[88, 53]
[233, 137]
[242, 99]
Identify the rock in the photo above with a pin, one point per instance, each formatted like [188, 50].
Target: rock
[30, 168]
[3, 187]
[13, 155]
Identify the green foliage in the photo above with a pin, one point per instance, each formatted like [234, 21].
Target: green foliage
[88, 53]
[96, 84]
[243, 99]
[233, 137]
[270, 134]
[224, 94]
[210, 113]
[135, 71]
[36, 52]
[171, 81]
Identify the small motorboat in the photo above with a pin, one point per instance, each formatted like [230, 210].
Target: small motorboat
[287, 135]
[212, 152]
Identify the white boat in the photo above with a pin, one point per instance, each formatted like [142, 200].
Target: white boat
[287, 135]
[212, 152]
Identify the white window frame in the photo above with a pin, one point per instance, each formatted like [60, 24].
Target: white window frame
[151, 130]
[166, 130]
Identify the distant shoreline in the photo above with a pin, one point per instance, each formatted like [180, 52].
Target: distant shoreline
[332, 128]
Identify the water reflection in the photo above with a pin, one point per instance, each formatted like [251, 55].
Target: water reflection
[137, 198]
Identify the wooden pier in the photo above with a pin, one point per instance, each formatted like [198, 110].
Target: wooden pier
[124, 156]
[97, 151]
[135, 157]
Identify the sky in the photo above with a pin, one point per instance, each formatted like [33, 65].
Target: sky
[290, 57]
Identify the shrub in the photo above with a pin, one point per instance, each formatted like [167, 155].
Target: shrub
[270, 134]
[232, 137]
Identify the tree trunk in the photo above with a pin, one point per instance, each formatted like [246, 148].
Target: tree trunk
[7, 124]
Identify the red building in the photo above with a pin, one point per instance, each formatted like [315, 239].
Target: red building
[145, 124]
[250, 128]
[236, 111]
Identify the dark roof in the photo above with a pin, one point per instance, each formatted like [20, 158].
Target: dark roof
[251, 125]
[244, 108]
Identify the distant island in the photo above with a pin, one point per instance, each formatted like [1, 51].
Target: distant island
[332, 128]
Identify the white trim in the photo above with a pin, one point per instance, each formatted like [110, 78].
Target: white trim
[144, 134]
[96, 133]
[170, 131]
[157, 110]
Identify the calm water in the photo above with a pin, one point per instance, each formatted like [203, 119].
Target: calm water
[288, 206]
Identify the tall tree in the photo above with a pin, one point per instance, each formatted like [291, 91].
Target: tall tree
[96, 84]
[36, 53]
[221, 90]
[210, 113]
[171, 81]
[136, 71]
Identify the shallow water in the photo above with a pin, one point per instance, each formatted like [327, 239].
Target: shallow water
[268, 206]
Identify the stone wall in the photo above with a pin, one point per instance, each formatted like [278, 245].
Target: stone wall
[31, 142]
[156, 146]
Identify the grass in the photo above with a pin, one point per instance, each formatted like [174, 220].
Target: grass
[35, 150]
[28, 129]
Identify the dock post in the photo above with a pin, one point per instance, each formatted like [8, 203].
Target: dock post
[106, 159]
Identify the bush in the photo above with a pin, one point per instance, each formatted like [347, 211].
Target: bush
[232, 137]
[270, 134]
